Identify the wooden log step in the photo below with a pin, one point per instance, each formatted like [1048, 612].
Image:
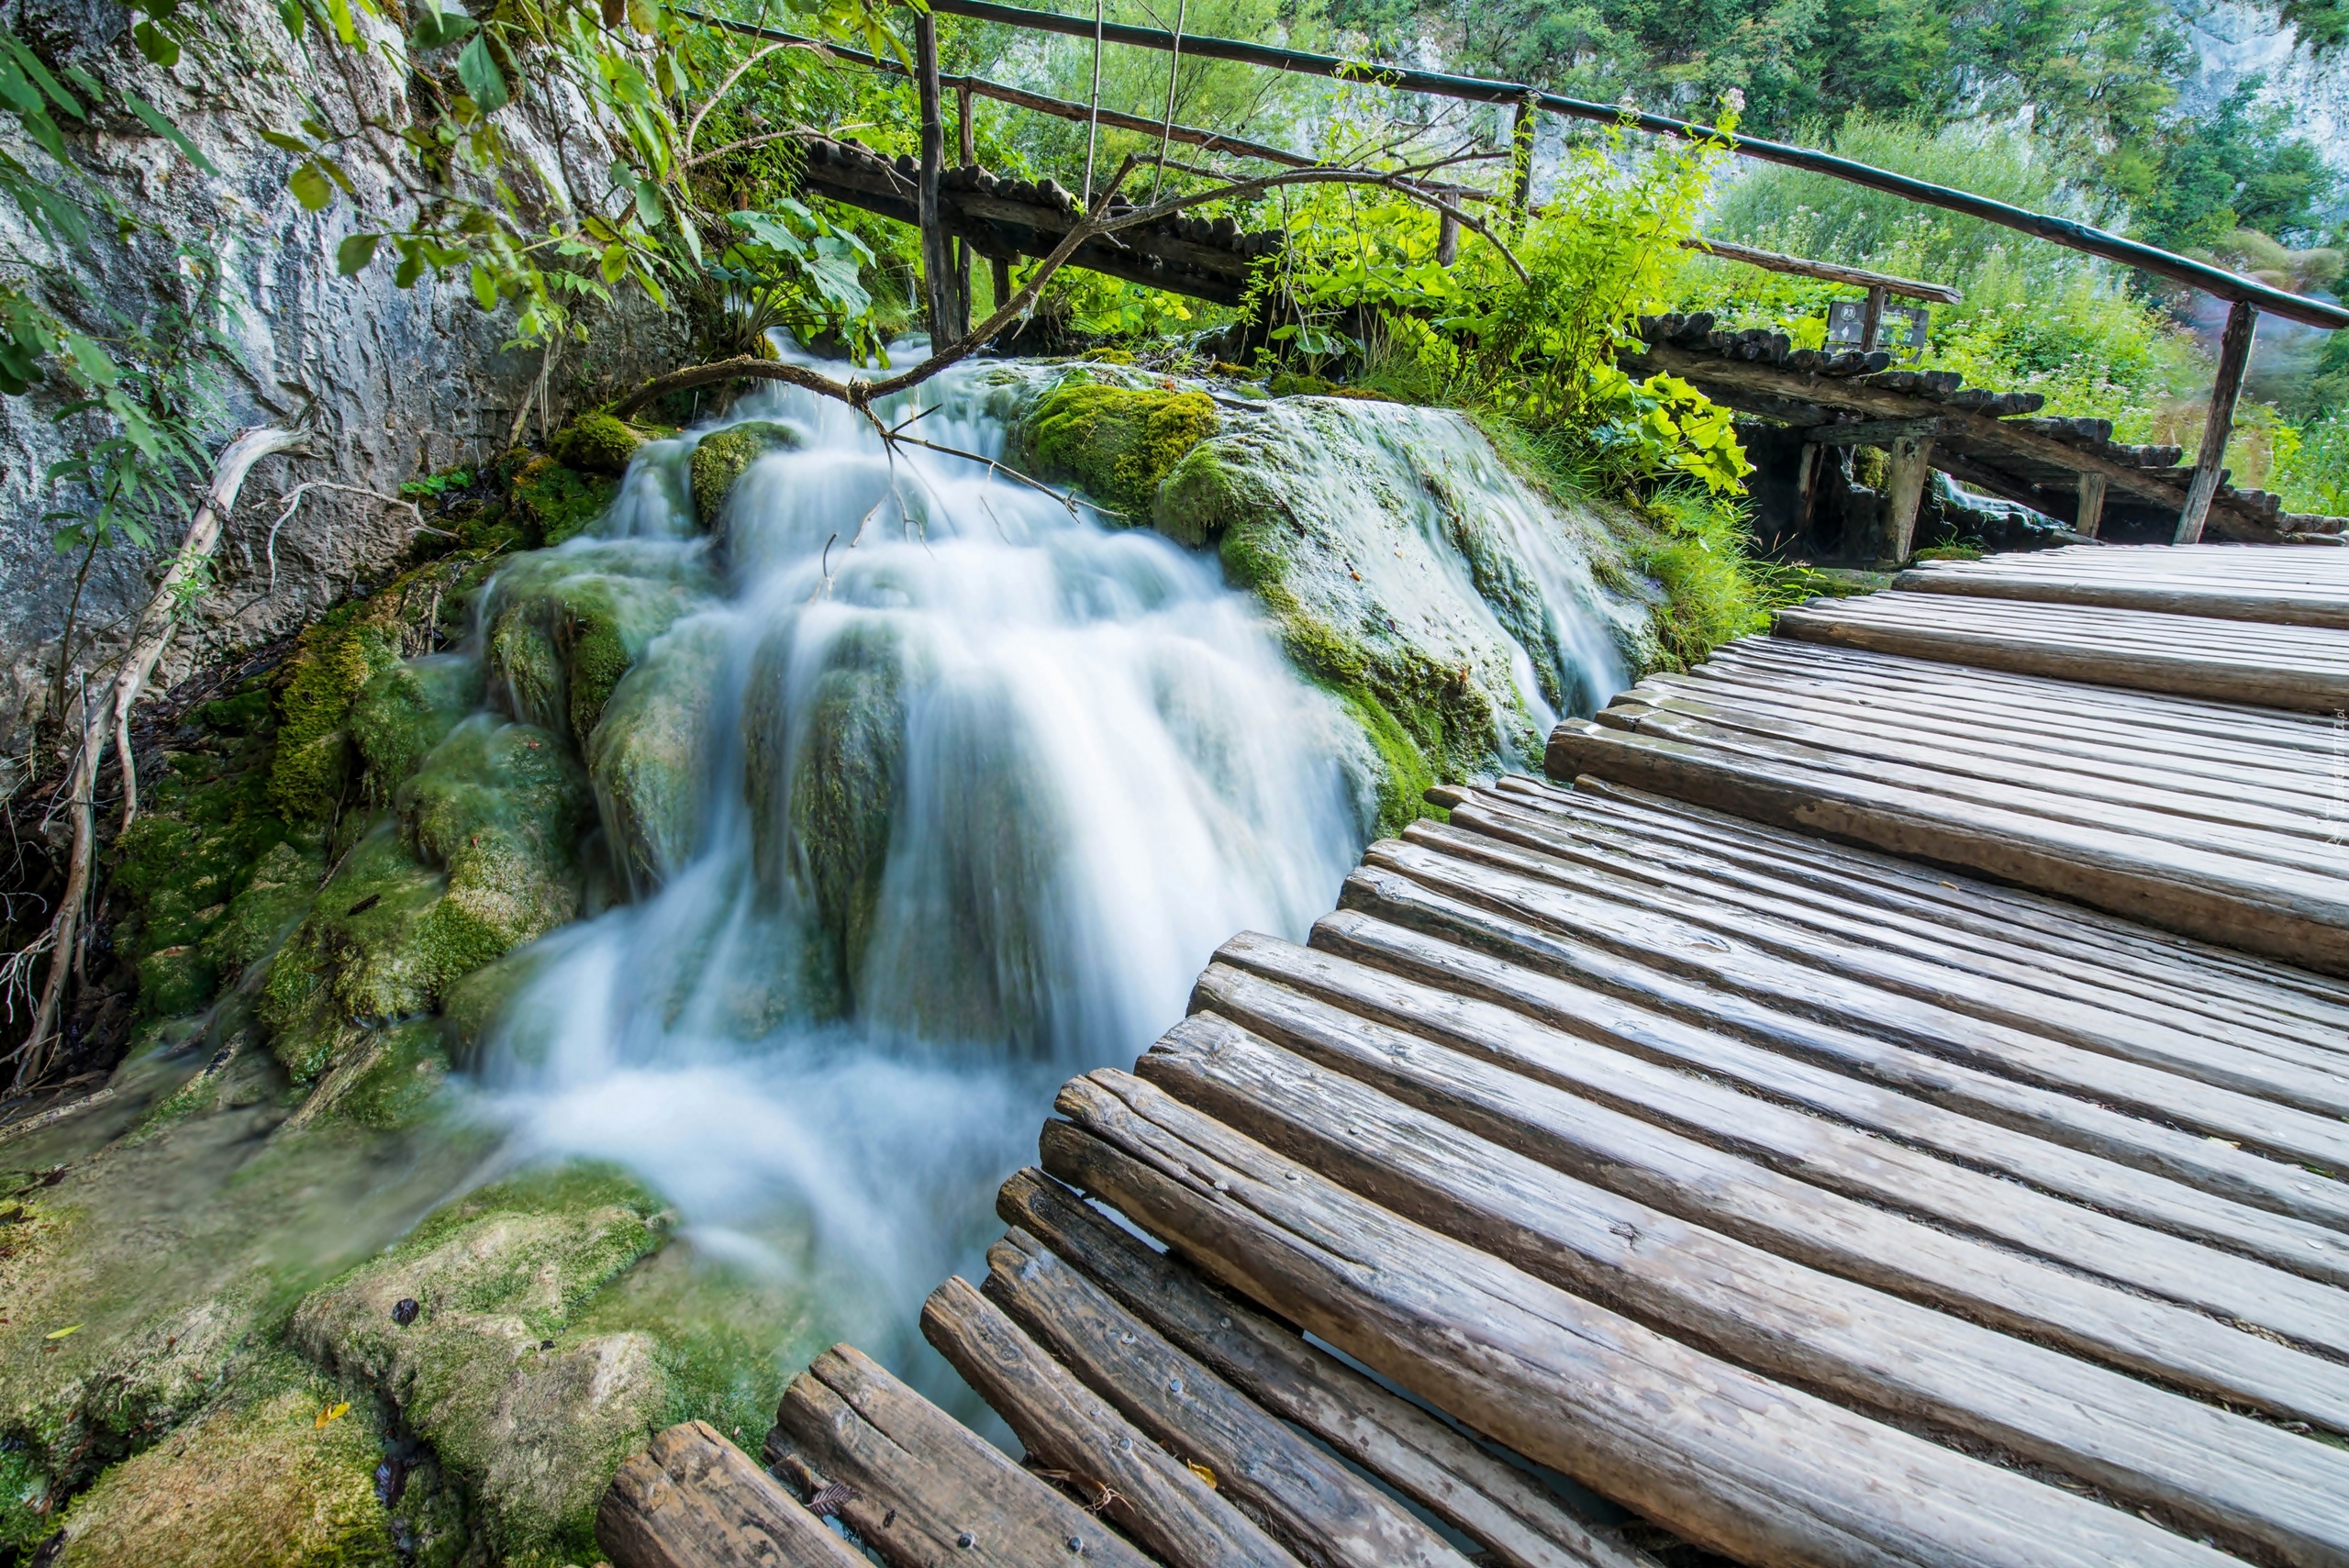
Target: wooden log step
[2144, 1067]
[1638, 1122]
[1726, 1459]
[2248, 904]
[2300, 669]
[694, 1500]
[1153, 1496]
[2078, 743]
[2220, 726]
[917, 1485]
[2100, 746]
[2205, 1467]
[1299, 1493]
[2012, 914]
[1771, 1037]
[2183, 596]
[1517, 1520]
[2253, 833]
[1993, 988]
[2161, 994]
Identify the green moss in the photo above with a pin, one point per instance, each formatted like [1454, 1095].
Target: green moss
[533, 1433]
[246, 712]
[648, 749]
[405, 711]
[555, 501]
[1948, 552]
[1117, 442]
[276, 894]
[259, 1479]
[172, 981]
[1697, 556]
[366, 951]
[595, 443]
[566, 628]
[1404, 773]
[403, 1069]
[27, 1515]
[844, 791]
[721, 457]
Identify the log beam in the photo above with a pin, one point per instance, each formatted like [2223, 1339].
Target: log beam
[2210, 457]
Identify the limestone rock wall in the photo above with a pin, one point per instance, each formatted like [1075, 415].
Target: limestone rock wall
[390, 382]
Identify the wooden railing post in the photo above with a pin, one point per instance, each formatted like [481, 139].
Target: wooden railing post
[2090, 517]
[946, 317]
[966, 145]
[2210, 457]
[1872, 319]
[1447, 241]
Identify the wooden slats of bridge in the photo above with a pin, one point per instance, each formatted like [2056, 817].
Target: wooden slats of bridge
[1863, 1108]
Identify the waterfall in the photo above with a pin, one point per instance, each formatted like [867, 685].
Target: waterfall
[826, 1037]
[955, 790]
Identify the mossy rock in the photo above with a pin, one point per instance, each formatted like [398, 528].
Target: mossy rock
[172, 981]
[1119, 443]
[277, 894]
[533, 1432]
[333, 663]
[597, 444]
[555, 501]
[502, 806]
[405, 711]
[844, 788]
[261, 1478]
[370, 949]
[723, 456]
[565, 627]
[649, 753]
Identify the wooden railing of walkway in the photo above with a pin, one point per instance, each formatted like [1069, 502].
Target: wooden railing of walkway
[1883, 1100]
[2247, 297]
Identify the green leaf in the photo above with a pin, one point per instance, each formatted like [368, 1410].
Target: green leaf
[411, 267]
[167, 131]
[311, 187]
[648, 203]
[439, 30]
[157, 45]
[60, 1333]
[286, 143]
[16, 88]
[290, 12]
[614, 265]
[478, 68]
[91, 358]
[485, 287]
[353, 254]
[345, 28]
[40, 73]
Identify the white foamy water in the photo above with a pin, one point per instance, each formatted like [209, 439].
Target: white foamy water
[1072, 761]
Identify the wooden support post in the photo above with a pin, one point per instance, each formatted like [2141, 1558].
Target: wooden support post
[1806, 490]
[2091, 514]
[1872, 319]
[936, 254]
[1904, 487]
[967, 147]
[2210, 457]
[1520, 152]
[999, 274]
[1447, 241]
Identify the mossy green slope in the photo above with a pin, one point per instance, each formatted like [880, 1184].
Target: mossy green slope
[1117, 442]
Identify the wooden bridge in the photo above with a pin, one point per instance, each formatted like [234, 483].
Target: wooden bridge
[1882, 1099]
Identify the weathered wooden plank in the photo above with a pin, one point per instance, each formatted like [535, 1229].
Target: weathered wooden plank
[1996, 990]
[2028, 917]
[1516, 1520]
[1819, 1195]
[1153, 1496]
[2290, 842]
[2278, 792]
[2283, 678]
[1753, 1469]
[920, 1488]
[1727, 888]
[2280, 1104]
[2251, 904]
[2270, 605]
[1302, 1496]
[2208, 1467]
[694, 1500]
[1787, 1055]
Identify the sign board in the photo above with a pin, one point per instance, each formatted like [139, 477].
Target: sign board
[1903, 326]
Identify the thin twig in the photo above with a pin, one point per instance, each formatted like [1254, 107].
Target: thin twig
[292, 498]
[694, 128]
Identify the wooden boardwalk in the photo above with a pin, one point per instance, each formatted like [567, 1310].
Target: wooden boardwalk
[1881, 1101]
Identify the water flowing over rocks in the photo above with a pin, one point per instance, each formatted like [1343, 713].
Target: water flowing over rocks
[642, 941]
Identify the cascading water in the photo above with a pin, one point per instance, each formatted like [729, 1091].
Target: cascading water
[984, 783]
[975, 784]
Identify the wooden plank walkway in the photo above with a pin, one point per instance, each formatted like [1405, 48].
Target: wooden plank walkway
[1738, 1125]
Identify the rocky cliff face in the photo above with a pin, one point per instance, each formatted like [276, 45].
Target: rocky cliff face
[390, 382]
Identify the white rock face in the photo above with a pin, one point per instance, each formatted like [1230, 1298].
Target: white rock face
[390, 382]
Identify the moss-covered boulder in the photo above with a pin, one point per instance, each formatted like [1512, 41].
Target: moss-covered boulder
[555, 501]
[649, 753]
[530, 1410]
[402, 712]
[597, 444]
[1119, 443]
[565, 627]
[279, 1471]
[722, 456]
